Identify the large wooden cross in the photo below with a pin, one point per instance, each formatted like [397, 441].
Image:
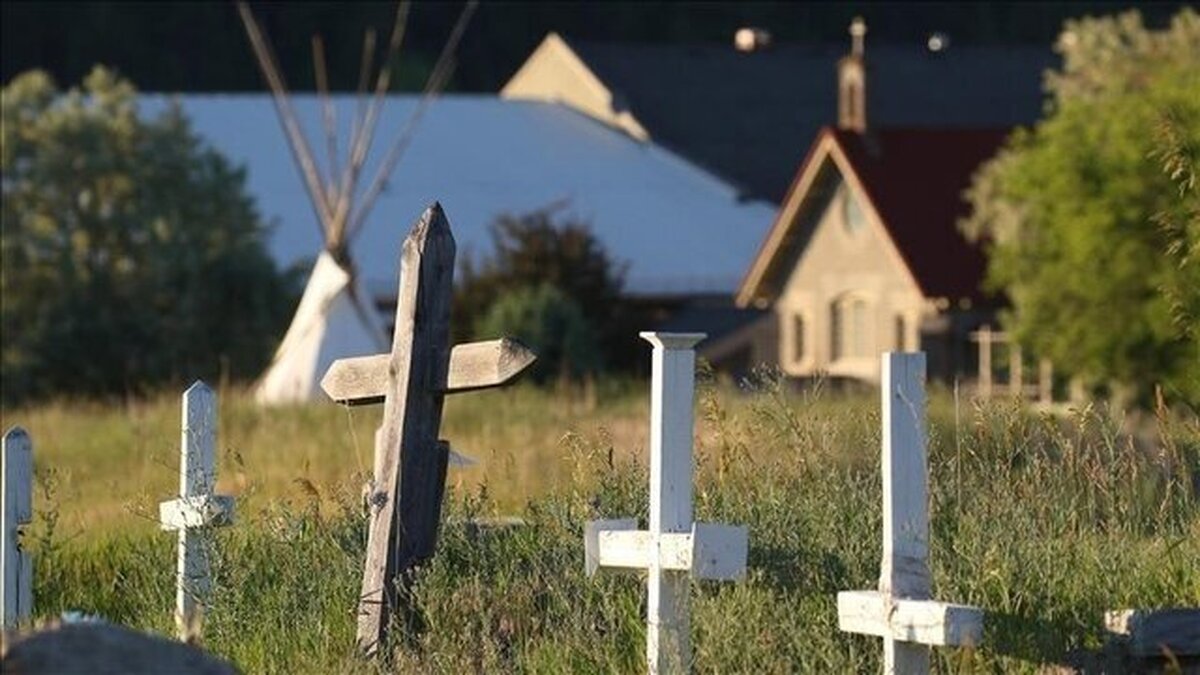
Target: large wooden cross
[410, 460]
[673, 546]
[900, 611]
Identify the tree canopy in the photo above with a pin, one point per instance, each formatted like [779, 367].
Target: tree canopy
[131, 253]
[534, 254]
[1072, 209]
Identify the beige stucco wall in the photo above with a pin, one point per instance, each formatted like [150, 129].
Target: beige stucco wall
[836, 263]
[555, 73]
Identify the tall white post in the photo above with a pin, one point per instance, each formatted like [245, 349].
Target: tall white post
[197, 508]
[197, 476]
[900, 611]
[674, 546]
[16, 565]
[904, 571]
[672, 395]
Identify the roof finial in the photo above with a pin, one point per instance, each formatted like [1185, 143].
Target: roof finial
[858, 30]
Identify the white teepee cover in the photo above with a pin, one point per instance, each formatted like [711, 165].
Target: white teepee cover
[334, 320]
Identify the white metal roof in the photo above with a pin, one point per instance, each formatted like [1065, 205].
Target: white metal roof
[679, 228]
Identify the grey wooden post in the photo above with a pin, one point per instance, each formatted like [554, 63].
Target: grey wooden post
[410, 460]
[197, 507]
[16, 565]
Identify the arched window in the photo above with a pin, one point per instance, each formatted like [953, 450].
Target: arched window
[853, 218]
[849, 329]
[798, 337]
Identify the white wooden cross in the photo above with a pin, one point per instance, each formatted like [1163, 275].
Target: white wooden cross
[197, 509]
[674, 545]
[16, 565]
[900, 611]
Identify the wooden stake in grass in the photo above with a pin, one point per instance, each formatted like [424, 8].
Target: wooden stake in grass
[674, 546]
[16, 498]
[900, 611]
[197, 509]
[410, 460]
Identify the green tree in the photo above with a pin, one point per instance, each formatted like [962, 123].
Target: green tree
[132, 255]
[551, 324]
[1068, 209]
[533, 250]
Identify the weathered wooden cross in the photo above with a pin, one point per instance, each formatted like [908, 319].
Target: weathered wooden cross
[674, 545]
[900, 611]
[197, 509]
[410, 461]
[16, 498]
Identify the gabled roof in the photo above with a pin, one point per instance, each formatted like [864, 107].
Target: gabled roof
[914, 180]
[680, 229]
[747, 116]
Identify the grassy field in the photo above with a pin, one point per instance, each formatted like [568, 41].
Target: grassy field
[1044, 522]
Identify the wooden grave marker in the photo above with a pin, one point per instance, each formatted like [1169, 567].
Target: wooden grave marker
[900, 611]
[674, 546]
[197, 509]
[16, 498]
[410, 461]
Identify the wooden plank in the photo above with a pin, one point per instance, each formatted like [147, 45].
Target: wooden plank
[926, 622]
[904, 571]
[197, 478]
[719, 551]
[410, 462]
[1150, 633]
[363, 380]
[640, 550]
[672, 397]
[199, 511]
[591, 539]
[16, 496]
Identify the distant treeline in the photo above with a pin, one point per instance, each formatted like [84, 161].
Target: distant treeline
[199, 46]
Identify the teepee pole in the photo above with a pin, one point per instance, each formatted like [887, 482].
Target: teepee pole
[301, 153]
[433, 86]
[328, 116]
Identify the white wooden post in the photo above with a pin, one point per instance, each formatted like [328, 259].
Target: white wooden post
[900, 611]
[16, 565]
[1016, 379]
[1045, 382]
[985, 362]
[197, 508]
[674, 546]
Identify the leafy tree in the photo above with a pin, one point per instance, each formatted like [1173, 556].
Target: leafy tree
[531, 251]
[1068, 209]
[131, 253]
[1180, 224]
[551, 323]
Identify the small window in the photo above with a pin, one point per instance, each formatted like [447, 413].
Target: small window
[901, 334]
[853, 218]
[849, 334]
[797, 337]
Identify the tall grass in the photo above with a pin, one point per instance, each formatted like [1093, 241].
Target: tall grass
[1042, 521]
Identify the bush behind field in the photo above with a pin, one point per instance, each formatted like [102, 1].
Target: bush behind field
[1042, 522]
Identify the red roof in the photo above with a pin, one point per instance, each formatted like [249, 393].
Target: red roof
[915, 178]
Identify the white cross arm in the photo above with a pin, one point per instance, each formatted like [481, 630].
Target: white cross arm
[201, 511]
[926, 622]
[709, 551]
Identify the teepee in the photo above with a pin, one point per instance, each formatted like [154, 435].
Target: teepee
[335, 319]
